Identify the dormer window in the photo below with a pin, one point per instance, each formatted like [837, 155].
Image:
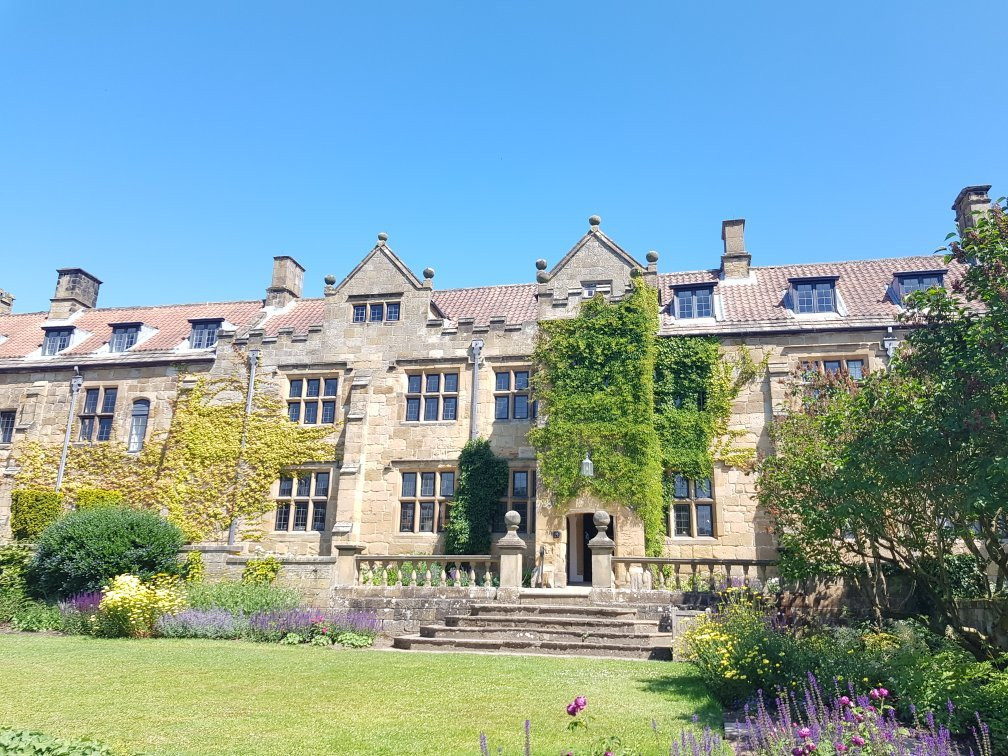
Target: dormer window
[124, 336]
[814, 296]
[56, 340]
[908, 283]
[694, 303]
[204, 334]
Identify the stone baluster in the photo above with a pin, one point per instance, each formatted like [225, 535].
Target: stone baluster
[413, 576]
[428, 577]
[383, 572]
[602, 548]
[472, 574]
[487, 574]
[745, 574]
[678, 577]
[728, 575]
[711, 582]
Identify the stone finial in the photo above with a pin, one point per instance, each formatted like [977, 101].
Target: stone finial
[330, 280]
[512, 519]
[382, 237]
[652, 256]
[511, 542]
[540, 264]
[542, 276]
[594, 221]
[601, 519]
[428, 273]
[634, 273]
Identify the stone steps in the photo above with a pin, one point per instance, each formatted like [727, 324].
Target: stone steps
[544, 626]
[517, 645]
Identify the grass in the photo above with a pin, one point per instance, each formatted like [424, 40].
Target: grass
[227, 697]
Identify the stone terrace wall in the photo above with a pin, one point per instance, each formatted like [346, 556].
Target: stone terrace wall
[403, 609]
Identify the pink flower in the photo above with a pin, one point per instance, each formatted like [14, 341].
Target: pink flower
[805, 733]
[809, 747]
[883, 692]
[581, 702]
[858, 740]
[874, 693]
[844, 700]
[572, 709]
[839, 747]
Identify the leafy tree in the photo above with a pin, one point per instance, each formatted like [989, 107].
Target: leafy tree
[908, 468]
[483, 480]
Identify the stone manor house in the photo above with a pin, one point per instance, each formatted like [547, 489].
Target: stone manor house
[406, 373]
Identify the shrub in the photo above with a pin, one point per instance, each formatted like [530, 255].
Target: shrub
[28, 743]
[192, 568]
[95, 498]
[35, 616]
[83, 550]
[200, 623]
[261, 570]
[32, 511]
[129, 607]
[13, 593]
[245, 598]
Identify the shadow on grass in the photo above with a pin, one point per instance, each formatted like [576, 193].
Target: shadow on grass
[686, 687]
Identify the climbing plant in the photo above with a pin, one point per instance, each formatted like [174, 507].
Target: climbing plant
[196, 473]
[483, 480]
[644, 407]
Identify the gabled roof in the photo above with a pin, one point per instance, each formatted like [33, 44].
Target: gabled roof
[597, 234]
[383, 249]
[758, 302]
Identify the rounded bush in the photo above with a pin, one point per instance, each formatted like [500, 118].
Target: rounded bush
[32, 511]
[84, 550]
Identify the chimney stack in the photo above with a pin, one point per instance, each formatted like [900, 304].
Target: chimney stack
[288, 281]
[971, 199]
[735, 260]
[6, 302]
[76, 290]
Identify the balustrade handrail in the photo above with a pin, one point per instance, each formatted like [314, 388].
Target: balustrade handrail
[706, 562]
[426, 558]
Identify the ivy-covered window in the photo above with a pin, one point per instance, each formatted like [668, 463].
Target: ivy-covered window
[512, 399]
[855, 368]
[908, 283]
[312, 400]
[204, 334]
[692, 510]
[521, 497]
[123, 337]
[431, 396]
[6, 426]
[97, 414]
[303, 502]
[56, 340]
[138, 425]
[814, 296]
[425, 500]
[694, 302]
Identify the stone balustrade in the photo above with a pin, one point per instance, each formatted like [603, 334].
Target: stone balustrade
[673, 574]
[427, 570]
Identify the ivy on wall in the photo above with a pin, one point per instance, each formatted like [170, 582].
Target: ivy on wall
[483, 481]
[645, 407]
[195, 473]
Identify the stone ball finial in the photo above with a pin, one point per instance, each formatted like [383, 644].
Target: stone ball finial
[542, 276]
[652, 256]
[512, 519]
[635, 273]
[601, 519]
[428, 273]
[594, 221]
[330, 279]
[382, 237]
[540, 264]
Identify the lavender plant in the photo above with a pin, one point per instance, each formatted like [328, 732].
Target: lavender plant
[216, 624]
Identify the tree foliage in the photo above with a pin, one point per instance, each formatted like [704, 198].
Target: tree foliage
[482, 483]
[196, 473]
[909, 467]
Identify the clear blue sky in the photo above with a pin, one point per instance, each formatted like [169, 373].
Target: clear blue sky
[173, 148]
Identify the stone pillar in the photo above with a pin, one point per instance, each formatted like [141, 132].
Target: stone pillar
[511, 549]
[346, 566]
[602, 548]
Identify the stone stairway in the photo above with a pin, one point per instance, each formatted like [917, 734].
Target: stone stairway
[547, 626]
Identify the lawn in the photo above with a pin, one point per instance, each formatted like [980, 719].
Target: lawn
[229, 697]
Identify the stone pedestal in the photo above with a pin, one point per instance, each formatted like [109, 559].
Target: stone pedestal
[602, 548]
[511, 549]
[346, 565]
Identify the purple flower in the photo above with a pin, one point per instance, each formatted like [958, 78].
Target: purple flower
[950, 706]
[839, 747]
[804, 733]
[858, 740]
[581, 702]
[797, 751]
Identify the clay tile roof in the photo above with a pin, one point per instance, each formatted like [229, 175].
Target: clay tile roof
[301, 315]
[516, 303]
[863, 286]
[172, 322]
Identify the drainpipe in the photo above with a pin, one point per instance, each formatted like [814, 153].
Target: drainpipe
[75, 386]
[476, 349]
[253, 362]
